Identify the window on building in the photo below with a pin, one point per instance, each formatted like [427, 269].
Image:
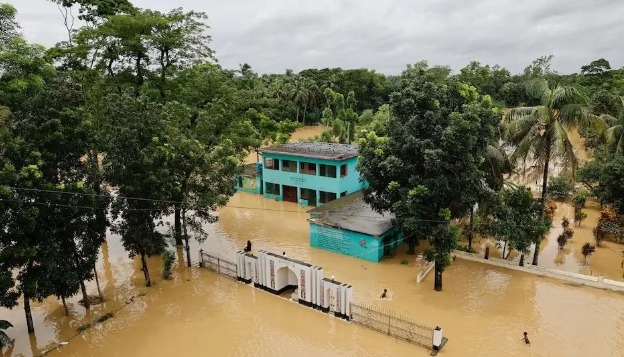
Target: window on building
[327, 170]
[343, 170]
[326, 196]
[271, 163]
[289, 165]
[272, 188]
[308, 195]
[307, 168]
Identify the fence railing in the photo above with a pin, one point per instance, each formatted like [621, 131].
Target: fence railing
[389, 323]
[220, 265]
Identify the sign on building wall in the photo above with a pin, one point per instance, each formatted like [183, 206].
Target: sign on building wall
[334, 240]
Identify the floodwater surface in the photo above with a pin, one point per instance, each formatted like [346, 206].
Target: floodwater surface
[483, 310]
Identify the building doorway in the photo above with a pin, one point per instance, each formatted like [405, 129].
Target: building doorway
[290, 193]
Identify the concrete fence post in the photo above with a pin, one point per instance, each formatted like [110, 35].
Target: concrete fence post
[437, 338]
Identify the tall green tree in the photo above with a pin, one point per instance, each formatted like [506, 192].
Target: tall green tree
[426, 170]
[515, 218]
[539, 135]
[136, 166]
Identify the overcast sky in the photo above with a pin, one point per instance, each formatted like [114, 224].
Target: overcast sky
[385, 35]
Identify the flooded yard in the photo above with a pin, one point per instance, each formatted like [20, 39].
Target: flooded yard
[483, 310]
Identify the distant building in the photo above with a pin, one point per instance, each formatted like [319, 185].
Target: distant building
[251, 179]
[309, 173]
[349, 226]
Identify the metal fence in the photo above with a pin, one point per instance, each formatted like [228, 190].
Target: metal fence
[218, 264]
[391, 324]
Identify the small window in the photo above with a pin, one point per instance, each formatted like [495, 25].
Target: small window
[308, 168]
[327, 170]
[272, 188]
[289, 165]
[270, 163]
[326, 196]
[343, 170]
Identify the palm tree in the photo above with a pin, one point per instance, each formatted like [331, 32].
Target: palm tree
[538, 133]
[4, 338]
[615, 133]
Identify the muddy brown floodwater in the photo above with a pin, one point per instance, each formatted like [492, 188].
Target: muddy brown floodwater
[483, 310]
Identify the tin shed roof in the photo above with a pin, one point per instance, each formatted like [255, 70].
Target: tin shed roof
[352, 213]
[317, 150]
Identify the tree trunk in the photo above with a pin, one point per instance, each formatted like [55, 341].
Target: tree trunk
[29, 320]
[521, 260]
[65, 305]
[487, 253]
[297, 114]
[544, 185]
[97, 283]
[305, 107]
[470, 234]
[85, 297]
[505, 256]
[437, 284]
[186, 240]
[411, 245]
[178, 226]
[148, 281]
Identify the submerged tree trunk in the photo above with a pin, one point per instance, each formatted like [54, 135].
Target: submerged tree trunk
[470, 233]
[29, 320]
[411, 245]
[148, 281]
[65, 305]
[97, 283]
[544, 185]
[85, 297]
[521, 260]
[437, 284]
[186, 240]
[178, 226]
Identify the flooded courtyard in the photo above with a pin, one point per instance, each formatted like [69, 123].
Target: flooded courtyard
[483, 310]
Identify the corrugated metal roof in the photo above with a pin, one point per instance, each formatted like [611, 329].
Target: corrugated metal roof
[314, 149]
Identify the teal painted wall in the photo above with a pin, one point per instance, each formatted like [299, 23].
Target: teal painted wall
[346, 242]
[349, 184]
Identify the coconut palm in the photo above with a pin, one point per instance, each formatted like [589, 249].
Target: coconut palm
[539, 134]
[4, 338]
[614, 135]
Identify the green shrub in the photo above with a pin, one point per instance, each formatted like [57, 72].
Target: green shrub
[559, 188]
[168, 260]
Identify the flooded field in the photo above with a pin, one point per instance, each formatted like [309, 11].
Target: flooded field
[483, 310]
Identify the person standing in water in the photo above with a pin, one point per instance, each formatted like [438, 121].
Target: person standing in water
[526, 339]
[248, 247]
[384, 294]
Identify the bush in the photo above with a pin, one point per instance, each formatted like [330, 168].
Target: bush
[559, 188]
[168, 260]
[580, 199]
[565, 222]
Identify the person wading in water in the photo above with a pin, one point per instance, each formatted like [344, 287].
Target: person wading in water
[526, 339]
[383, 295]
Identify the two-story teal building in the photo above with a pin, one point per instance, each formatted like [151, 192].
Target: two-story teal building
[310, 173]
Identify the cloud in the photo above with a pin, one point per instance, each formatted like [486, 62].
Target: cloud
[273, 35]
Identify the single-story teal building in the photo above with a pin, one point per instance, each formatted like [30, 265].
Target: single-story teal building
[251, 179]
[350, 226]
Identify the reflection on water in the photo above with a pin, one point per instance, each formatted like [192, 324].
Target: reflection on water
[483, 309]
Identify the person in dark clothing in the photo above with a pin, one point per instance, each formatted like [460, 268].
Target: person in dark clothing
[384, 294]
[248, 247]
[526, 339]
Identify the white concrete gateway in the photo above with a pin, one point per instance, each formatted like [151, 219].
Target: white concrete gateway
[279, 273]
